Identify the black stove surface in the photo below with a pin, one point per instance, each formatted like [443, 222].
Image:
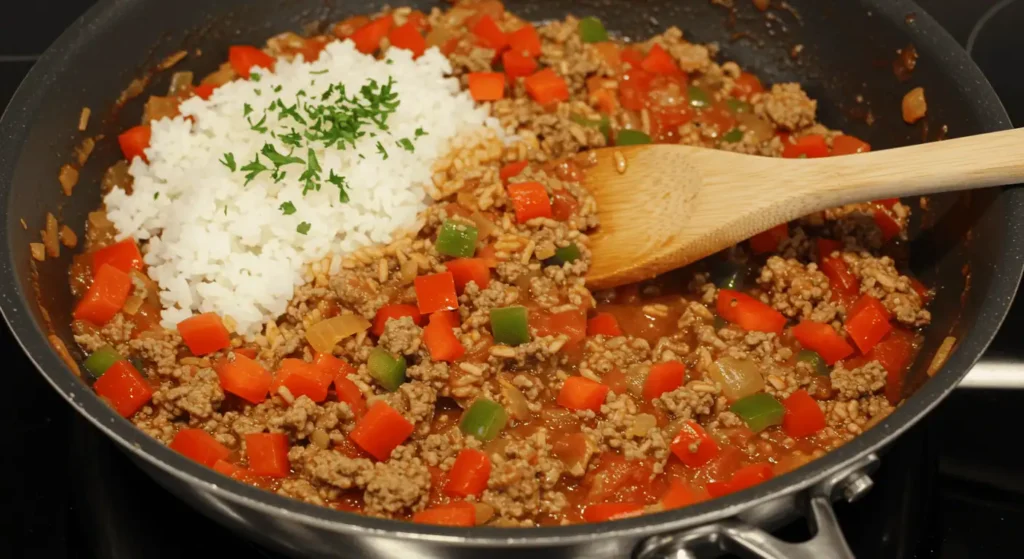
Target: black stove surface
[944, 490]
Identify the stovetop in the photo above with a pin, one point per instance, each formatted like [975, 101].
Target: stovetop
[944, 490]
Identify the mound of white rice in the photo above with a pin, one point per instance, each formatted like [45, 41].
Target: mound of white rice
[218, 245]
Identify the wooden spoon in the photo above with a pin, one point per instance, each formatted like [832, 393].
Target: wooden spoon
[664, 206]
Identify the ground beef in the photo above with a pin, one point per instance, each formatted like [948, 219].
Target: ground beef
[401, 336]
[402, 484]
[621, 352]
[862, 381]
[797, 290]
[199, 396]
[523, 477]
[787, 106]
[880, 279]
[415, 400]
[329, 470]
[694, 400]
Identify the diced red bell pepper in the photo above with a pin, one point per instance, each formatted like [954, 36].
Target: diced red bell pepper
[123, 255]
[436, 292]
[570, 323]
[512, 169]
[448, 318]
[380, 430]
[581, 393]
[244, 57]
[243, 377]
[845, 145]
[302, 379]
[459, 514]
[826, 247]
[346, 390]
[394, 312]
[662, 378]
[268, 454]
[745, 477]
[823, 339]
[894, 353]
[748, 313]
[693, 446]
[546, 87]
[124, 388]
[408, 37]
[563, 205]
[530, 200]
[603, 324]
[844, 285]
[368, 37]
[489, 35]
[922, 291]
[199, 446]
[811, 145]
[226, 468]
[486, 86]
[525, 40]
[887, 203]
[469, 475]
[134, 142]
[204, 90]
[466, 270]
[518, 65]
[680, 494]
[803, 416]
[602, 512]
[106, 296]
[867, 323]
[746, 85]
[441, 341]
[658, 61]
[769, 241]
[886, 222]
[204, 333]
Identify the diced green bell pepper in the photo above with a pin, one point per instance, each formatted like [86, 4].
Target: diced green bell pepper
[733, 136]
[100, 360]
[727, 274]
[698, 97]
[738, 106]
[564, 255]
[456, 239]
[631, 138]
[592, 30]
[604, 124]
[484, 420]
[510, 325]
[759, 411]
[386, 369]
[813, 359]
[719, 323]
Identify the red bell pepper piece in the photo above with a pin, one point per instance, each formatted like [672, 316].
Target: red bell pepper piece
[368, 37]
[408, 37]
[693, 446]
[394, 312]
[200, 446]
[123, 255]
[268, 454]
[745, 477]
[105, 297]
[581, 393]
[803, 416]
[441, 340]
[886, 222]
[518, 65]
[748, 313]
[458, 514]
[602, 512]
[436, 292]
[468, 476]
[530, 200]
[243, 377]
[867, 323]
[546, 87]
[826, 247]
[380, 430]
[823, 339]
[489, 35]
[603, 324]
[680, 495]
[204, 333]
[811, 145]
[658, 61]
[894, 353]
[563, 205]
[769, 241]
[204, 90]
[525, 41]
[465, 270]
[512, 169]
[302, 379]
[124, 388]
[662, 378]
[571, 323]
[486, 86]
[346, 390]
[134, 141]
[845, 145]
[746, 85]
[244, 57]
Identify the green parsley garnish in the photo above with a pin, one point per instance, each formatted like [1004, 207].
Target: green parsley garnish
[256, 77]
[318, 72]
[420, 132]
[279, 159]
[258, 92]
[156, 195]
[252, 169]
[382, 151]
[342, 185]
[229, 161]
[292, 138]
[246, 109]
[303, 228]
[277, 89]
[311, 176]
[287, 208]
[259, 126]
[406, 144]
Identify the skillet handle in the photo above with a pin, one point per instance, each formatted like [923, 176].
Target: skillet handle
[739, 537]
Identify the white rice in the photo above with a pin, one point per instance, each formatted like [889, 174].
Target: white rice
[218, 246]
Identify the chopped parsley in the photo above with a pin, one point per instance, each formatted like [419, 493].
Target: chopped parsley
[156, 195]
[258, 92]
[318, 72]
[287, 208]
[420, 132]
[303, 228]
[229, 161]
[342, 185]
[246, 109]
[259, 126]
[252, 169]
[382, 151]
[311, 176]
[256, 77]
[406, 144]
[279, 159]
[277, 89]
[292, 138]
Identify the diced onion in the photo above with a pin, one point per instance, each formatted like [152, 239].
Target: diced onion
[484, 513]
[326, 334]
[760, 129]
[146, 287]
[159, 108]
[50, 239]
[320, 438]
[738, 377]
[438, 36]
[223, 75]
[941, 355]
[635, 378]
[518, 406]
[484, 226]
[132, 304]
[68, 178]
[181, 83]
[642, 423]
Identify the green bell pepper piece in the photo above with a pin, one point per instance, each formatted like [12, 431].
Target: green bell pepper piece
[813, 359]
[456, 239]
[738, 106]
[759, 411]
[386, 369]
[698, 97]
[604, 124]
[100, 360]
[727, 274]
[592, 30]
[510, 325]
[484, 420]
[564, 255]
[733, 136]
[631, 138]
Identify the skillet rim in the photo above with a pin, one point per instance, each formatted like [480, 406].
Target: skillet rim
[929, 38]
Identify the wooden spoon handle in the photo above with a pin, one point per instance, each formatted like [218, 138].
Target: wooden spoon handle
[991, 159]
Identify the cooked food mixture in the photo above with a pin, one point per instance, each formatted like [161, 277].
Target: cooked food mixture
[349, 269]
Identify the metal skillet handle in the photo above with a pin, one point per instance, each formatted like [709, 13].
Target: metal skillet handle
[737, 536]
